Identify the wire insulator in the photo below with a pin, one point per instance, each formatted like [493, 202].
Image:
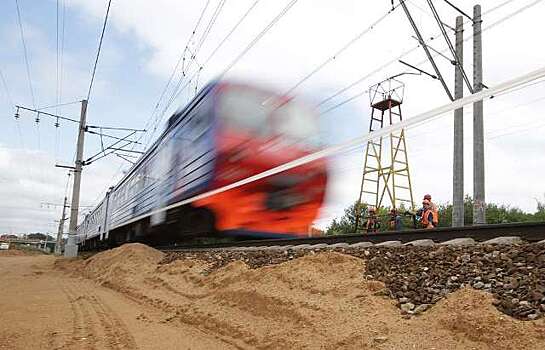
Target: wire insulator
[37, 120]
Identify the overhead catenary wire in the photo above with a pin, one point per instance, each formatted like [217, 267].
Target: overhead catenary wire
[175, 69]
[25, 51]
[60, 71]
[99, 49]
[409, 51]
[6, 88]
[239, 22]
[340, 51]
[10, 100]
[332, 150]
[252, 43]
[176, 91]
[368, 75]
[248, 47]
[193, 58]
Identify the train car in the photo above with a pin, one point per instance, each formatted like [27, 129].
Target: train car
[228, 132]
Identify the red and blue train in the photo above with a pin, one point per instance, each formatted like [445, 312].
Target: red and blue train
[228, 132]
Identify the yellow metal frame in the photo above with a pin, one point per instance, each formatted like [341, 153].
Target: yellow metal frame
[386, 182]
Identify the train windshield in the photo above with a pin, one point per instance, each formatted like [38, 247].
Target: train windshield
[245, 109]
[296, 123]
[264, 114]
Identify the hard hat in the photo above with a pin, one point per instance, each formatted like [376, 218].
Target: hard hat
[425, 201]
[427, 196]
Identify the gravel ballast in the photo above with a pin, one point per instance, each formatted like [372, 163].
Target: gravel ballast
[417, 277]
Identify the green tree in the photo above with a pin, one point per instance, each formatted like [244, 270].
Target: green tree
[539, 215]
[495, 214]
[347, 223]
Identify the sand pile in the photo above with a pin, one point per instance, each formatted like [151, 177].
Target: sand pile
[316, 301]
[121, 265]
[470, 314]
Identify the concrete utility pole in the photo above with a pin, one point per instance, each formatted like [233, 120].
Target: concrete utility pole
[58, 245]
[458, 159]
[71, 249]
[479, 207]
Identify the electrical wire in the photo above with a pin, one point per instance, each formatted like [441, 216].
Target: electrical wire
[254, 41]
[57, 71]
[173, 73]
[5, 85]
[360, 80]
[342, 49]
[355, 83]
[27, 60]
[193, 58]
[239, 22]
[99, 49]
[176, 91]
[332, 150]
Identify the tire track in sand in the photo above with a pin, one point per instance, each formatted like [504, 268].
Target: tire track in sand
[83, 332]
[96, 326]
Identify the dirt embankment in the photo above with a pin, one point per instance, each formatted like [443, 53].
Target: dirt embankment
[19, 252]
[315, 301]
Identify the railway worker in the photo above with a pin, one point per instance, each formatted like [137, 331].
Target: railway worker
[394, 223]
[372, 224]
[434, 209]
[427, 217]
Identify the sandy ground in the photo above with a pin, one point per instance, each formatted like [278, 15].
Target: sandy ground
[127, 300]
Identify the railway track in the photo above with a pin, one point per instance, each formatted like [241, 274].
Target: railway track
[528, 232]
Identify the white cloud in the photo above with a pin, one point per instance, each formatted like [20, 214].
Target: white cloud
[309, 33]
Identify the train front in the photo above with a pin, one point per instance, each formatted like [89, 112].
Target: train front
[258, 130]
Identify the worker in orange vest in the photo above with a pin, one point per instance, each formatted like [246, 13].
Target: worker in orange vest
[373, 224]
[428, 218]
[434, 208]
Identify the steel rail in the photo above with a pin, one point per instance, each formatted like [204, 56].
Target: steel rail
[530, 232]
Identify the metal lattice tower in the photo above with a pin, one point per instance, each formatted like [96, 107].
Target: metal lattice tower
[386, 177]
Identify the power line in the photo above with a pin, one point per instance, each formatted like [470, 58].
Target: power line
[58, 140]
[176, 91]
[242, 54]
[99, 49]
[360, 80]
[193, 58]
[368, 75]
[5, 85]
[180, 59]
[341, 50]
[27, 63]
[231, 31]
[249, 46]
[208, 28]
[361, 140]
[258, 37]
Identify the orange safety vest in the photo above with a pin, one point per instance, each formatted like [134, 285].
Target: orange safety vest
[425, 215]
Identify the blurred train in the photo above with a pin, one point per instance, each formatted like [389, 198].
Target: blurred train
[228, 132]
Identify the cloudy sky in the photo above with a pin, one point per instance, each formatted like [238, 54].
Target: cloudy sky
[144, 40]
